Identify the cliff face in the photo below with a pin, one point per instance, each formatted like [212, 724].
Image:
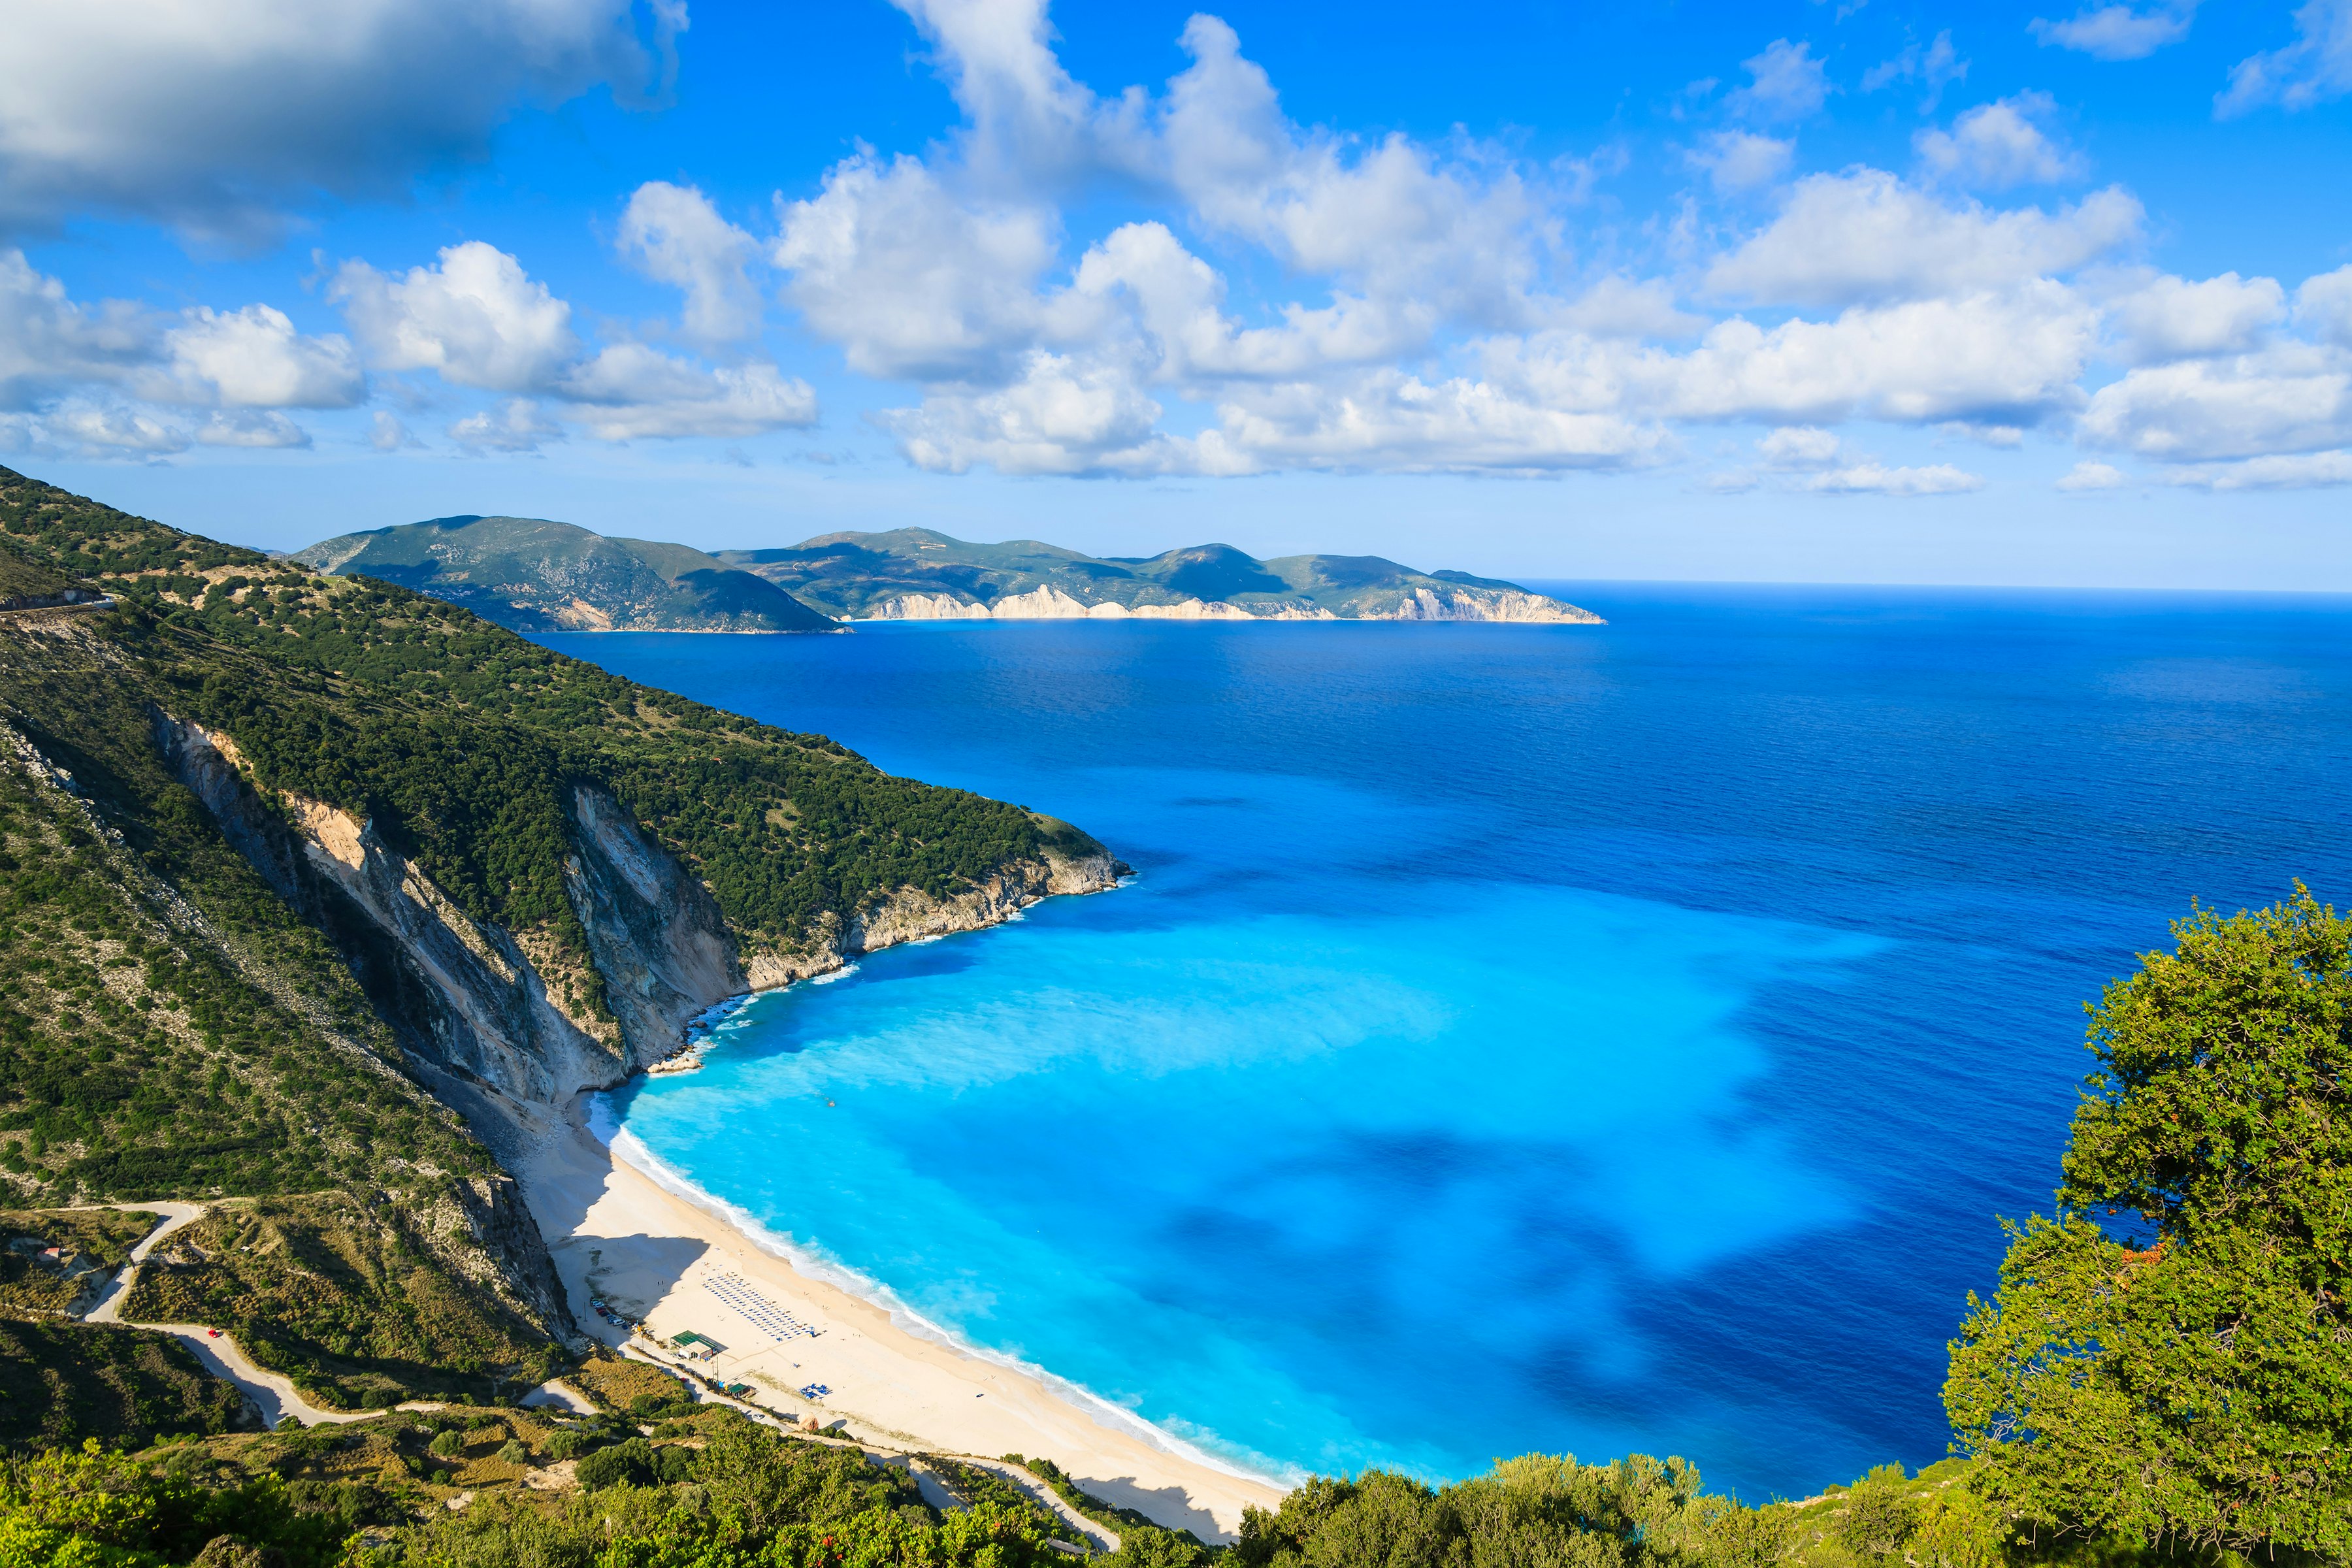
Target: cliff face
[1422, 603]
[508, 1012]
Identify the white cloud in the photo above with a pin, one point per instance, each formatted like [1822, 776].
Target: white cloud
[515, 425]
[675, 234]
[1786, 83]
[52, 348]
[1875, 478]
[1741, 160]
[2316, 68]
[476, 319]
[1865, 234]
[2119, 32]
[909, 280]
[1934, 68]
[1058, 417]
[2089, 475]
[252, 428]
[216, 117]
[2306, 470]
[2293, 397]
[2169, 318]
[2323, 304]
[253, 358]
[1799, 447]
[1998, 144]
[387, 434]
[629, 392]
[48, 344]
[113, 432]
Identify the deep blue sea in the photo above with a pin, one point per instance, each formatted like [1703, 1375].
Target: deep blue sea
[1586, 1039]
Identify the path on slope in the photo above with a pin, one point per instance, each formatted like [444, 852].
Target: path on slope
[273, 1395]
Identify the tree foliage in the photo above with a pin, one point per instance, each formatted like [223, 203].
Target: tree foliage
[2188, 1379]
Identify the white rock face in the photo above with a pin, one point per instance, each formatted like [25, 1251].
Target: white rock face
[504, 1009]
[1047, 602]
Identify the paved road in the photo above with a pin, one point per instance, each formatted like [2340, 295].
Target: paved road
[274, 1395]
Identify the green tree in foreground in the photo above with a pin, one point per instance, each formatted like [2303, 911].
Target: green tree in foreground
[2194, 1390]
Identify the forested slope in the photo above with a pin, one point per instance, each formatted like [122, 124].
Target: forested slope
[191, 1006]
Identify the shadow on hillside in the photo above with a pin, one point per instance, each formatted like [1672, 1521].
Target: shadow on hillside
[1171, 1506]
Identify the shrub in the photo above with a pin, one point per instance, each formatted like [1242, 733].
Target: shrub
[448, 1444]
[514, 1453]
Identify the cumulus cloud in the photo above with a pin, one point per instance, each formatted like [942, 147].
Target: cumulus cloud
[2169, 318]
[517, 424]
[1998, 144]
[1866, 234]
[909, 280]
[252, 427]
[253, 358]
[630, 391]
[475, 318]
[216, 118]
[2311, 70]
[1437, 318]
[675, 234]
[1875, 479]
[2119, 32]
[2308, 470]
[1800, 446]
[2324, 305]
[2292, 398]
[92, 432]
[1740, 161]
[65, 362]
[2090, 475]
[1786, 83]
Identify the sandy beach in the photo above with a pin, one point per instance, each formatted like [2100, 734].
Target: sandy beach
[617, 1236]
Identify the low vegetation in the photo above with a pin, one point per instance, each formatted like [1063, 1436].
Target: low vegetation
[62, 1383]
[364, 1301]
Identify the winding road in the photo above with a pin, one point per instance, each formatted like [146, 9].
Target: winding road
[275, 1397]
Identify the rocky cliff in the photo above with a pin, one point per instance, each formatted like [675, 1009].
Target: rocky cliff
[510, 1016]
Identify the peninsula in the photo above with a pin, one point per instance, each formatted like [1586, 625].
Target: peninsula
[534, 575]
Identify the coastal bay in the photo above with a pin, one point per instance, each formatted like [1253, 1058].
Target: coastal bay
[1513, 1039]
[619, 1233]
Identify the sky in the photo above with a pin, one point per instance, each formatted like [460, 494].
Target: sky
[1827, 290]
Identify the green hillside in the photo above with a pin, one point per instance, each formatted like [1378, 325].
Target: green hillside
[172, 1028]
[533, 576]
[856, 576]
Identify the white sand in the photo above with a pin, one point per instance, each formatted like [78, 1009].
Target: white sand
[620, 1237]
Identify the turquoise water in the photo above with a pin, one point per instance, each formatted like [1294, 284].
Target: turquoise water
[1587, 1039]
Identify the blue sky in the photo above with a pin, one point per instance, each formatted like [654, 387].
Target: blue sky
[1859, 291]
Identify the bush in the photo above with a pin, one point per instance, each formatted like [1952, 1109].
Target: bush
[449, 1445]
[631, 1462]
[567, 1445]
[514, 1453]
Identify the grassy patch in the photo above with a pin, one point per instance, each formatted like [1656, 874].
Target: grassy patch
[362, 1298]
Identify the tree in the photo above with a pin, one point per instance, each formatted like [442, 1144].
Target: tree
[2188, 1379]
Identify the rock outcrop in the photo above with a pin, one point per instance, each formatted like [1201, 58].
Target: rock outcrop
[506, 1019]
[1051, 603]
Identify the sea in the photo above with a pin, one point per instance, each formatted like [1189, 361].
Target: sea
[1583, 1039]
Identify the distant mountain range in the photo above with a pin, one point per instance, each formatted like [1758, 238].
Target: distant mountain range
[536, 575]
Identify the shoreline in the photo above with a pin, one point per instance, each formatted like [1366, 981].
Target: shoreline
[619, 1233]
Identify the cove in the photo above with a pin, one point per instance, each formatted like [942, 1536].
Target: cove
[1563, 1038]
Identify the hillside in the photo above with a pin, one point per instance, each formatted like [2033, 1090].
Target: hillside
[914, 574]
[532, 575]
[316, 892]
